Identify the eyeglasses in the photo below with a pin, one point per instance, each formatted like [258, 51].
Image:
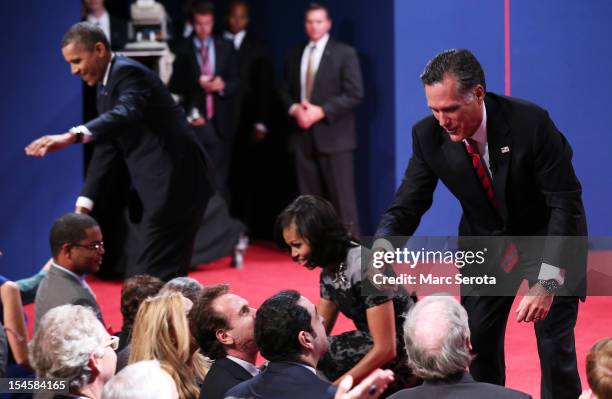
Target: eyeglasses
[114, 342]
[94, 246]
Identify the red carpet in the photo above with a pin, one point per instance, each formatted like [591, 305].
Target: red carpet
[267, 271]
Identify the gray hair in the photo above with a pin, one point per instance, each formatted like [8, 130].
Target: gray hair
[461, 64]
[65, 339]
[189, 287]
[436, 334]
[141, 380]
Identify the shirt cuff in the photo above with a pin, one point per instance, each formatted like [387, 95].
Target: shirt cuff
[85, 202]
[292, 108]
[550, 272]
[260, 126]
[382, 243]
[87, 136]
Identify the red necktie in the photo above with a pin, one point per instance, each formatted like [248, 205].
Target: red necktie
[206, 70]
[509, 258]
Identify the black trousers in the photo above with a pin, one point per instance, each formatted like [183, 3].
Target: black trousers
[488, 316]
[329, 176]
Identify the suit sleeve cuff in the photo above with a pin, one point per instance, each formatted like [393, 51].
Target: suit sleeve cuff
[550, 272]
[85, 202]
[87, 136]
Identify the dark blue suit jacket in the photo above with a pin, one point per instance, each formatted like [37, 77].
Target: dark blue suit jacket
[142, 126]
[223, 375]
[284, 380]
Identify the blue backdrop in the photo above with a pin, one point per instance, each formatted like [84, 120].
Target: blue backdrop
[559, 53]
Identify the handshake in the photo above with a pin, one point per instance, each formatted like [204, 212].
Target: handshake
[306, 114]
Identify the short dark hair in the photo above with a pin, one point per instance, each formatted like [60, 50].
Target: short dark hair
[317, 222]
[461, 63]
[85, 33]
[237, 3]
[315, 7]
[69, 229]
[599, 368]
[278, 322]
[204, 321]
[200, 7]
[189, 287]
[135, 290]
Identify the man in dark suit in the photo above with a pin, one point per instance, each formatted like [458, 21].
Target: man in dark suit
[510, 169]
[321, 88]
[77, 249]
[223, 324]
[141, 126]
[205, 74]
[290, 334]
[437, 339]
[253, 112]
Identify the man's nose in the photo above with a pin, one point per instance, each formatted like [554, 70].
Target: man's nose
[74, 69]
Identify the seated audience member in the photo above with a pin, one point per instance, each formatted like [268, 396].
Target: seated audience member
[77, 249]
[141, 380]
[439, 351]
[314, 234]
[135, 290]
[161, 332]
[189, 287]
[71, 343]
[290, 334]
[599, 371]
[16, 333]
[223, 324]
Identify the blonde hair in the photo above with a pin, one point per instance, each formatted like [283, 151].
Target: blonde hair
[161, 332]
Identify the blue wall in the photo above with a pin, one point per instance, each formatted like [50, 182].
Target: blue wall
[559, 59]
[39, 96]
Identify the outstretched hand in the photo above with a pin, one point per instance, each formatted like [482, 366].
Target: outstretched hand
[45, 144]
[370, 388]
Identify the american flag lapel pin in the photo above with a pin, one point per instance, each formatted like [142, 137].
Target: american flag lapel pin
[505, 149]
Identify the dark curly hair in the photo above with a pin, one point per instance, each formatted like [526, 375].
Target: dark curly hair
[204, 321]
[135, 290]
[278, 322]
[317, 222]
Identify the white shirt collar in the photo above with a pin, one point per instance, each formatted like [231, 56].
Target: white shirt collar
[237, 38]
[249, 367]
[108, 68]
[321, 43]
[480, 136]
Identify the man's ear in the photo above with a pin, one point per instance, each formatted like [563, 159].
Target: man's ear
[223, 337]
[65, 250]
[479, 91]
[95, 365]
[100, 49]
[306, 339]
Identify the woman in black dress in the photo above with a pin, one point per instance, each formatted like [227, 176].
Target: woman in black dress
[311, 230]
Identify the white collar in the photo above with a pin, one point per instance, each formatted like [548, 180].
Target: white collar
[104, 18]
[248, 366]
[107, 72]
[480, 136]
[321, 43]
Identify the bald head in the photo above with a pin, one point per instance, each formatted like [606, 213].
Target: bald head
[437, 335]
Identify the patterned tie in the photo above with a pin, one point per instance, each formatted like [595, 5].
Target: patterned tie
[509, 258]
[310, 72]
[206, 70]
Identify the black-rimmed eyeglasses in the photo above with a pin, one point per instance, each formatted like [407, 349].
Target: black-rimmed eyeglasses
[94, 246]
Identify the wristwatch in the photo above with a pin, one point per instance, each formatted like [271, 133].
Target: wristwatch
[78, 137]
[551, 285]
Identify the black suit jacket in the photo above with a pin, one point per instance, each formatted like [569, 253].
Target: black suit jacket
[256, 82]
[186, 74]
[223, 375]
[536, 189]
[142, 126]
[338, 89]
[461, 386]
[283, 380]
